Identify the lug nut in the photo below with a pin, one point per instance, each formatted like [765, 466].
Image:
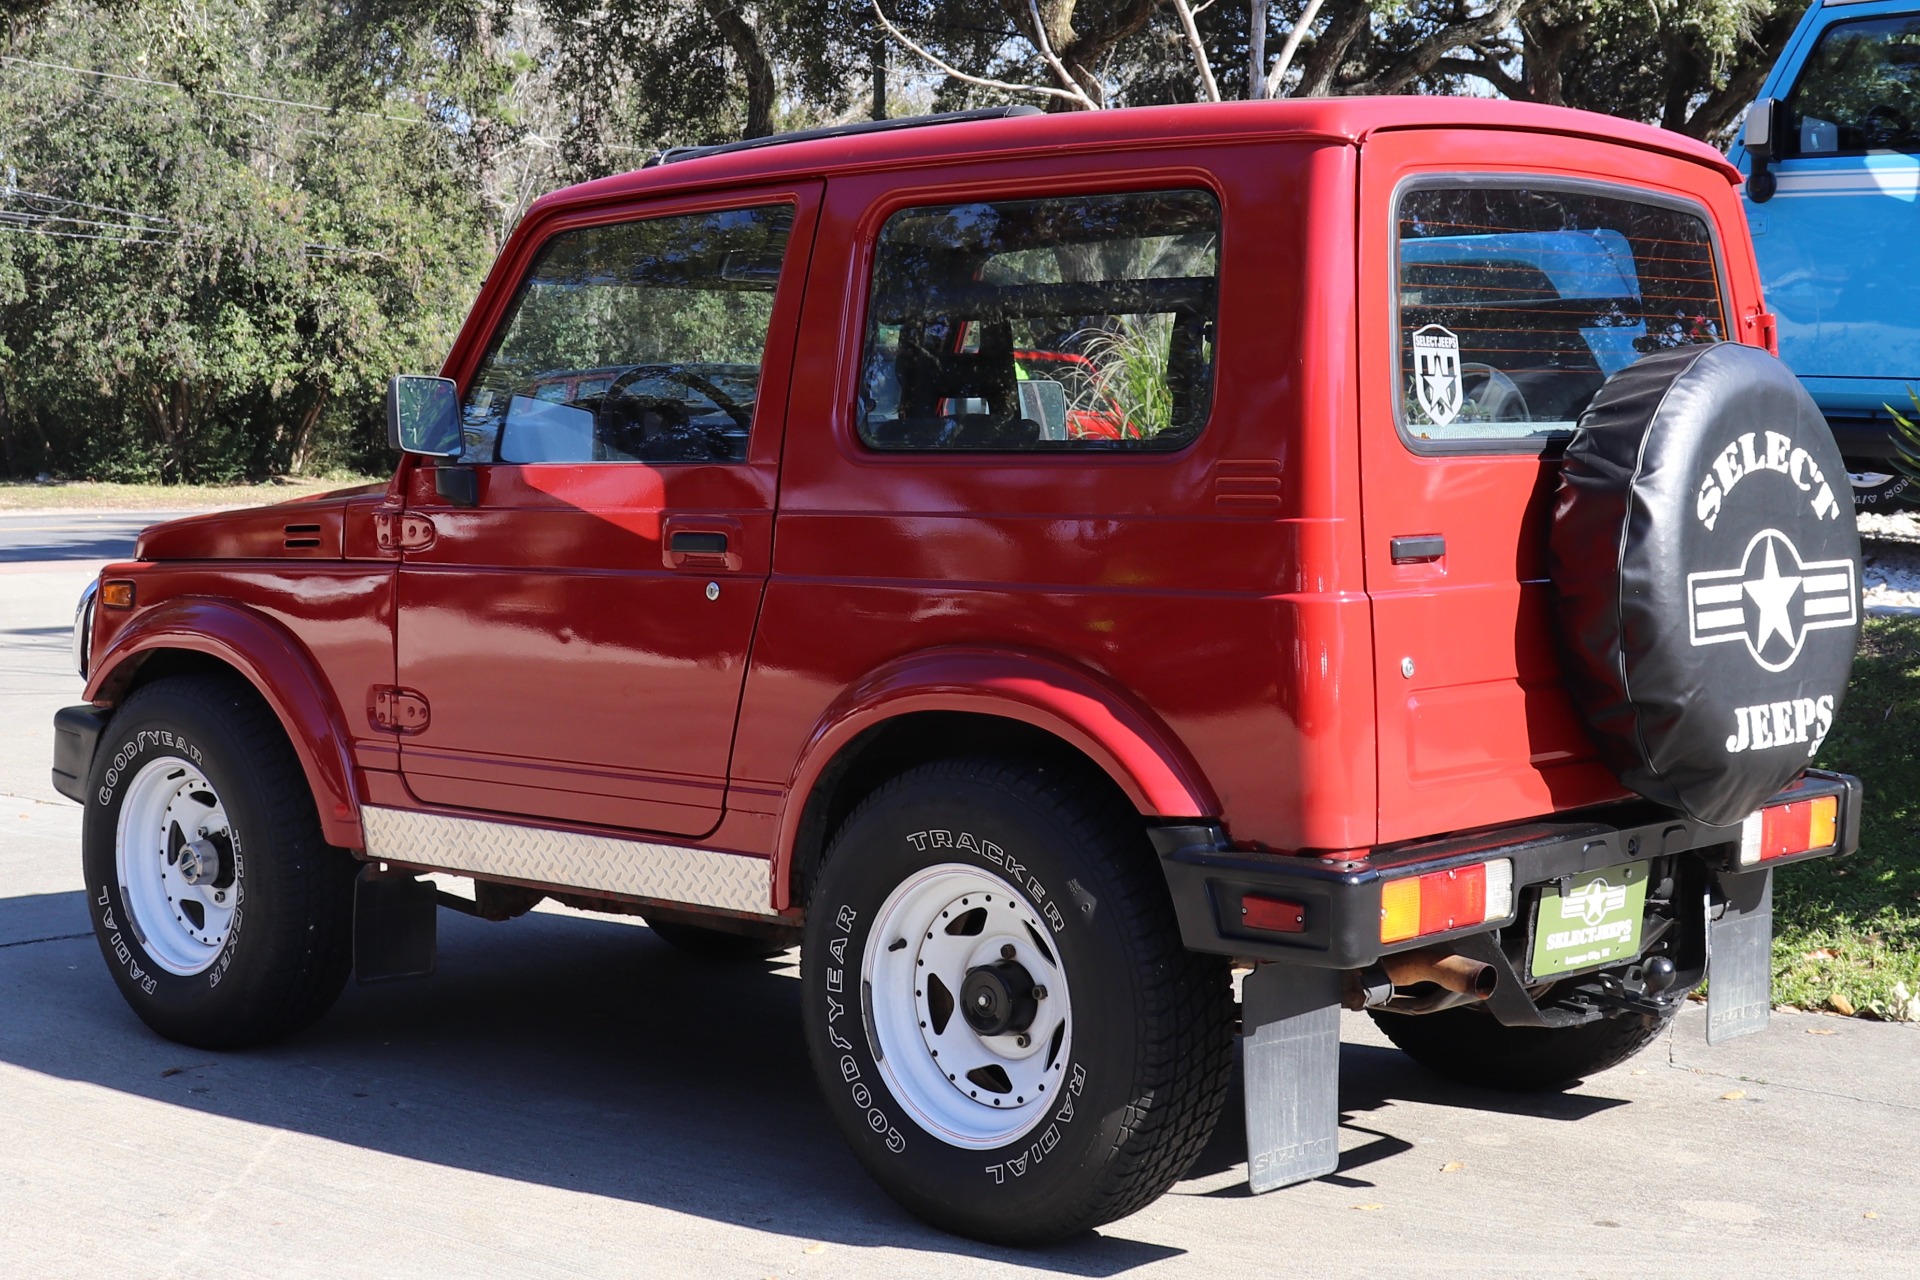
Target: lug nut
[1039, 993]
[1006, 951]
[1023, 1040]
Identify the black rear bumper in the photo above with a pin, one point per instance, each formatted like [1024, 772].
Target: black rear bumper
[1340, 926]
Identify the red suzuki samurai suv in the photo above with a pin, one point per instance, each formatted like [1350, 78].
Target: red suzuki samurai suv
[1041, 564]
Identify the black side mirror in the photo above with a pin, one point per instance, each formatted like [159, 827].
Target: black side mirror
[423, 415]
[1766, 124]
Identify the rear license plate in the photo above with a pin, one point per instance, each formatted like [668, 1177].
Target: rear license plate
[1596, 922]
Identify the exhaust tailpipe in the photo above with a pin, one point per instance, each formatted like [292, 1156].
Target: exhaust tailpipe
[1455, 973]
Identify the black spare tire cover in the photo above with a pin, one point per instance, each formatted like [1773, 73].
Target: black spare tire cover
[1707, 576]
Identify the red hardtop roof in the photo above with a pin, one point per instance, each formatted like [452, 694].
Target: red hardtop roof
[1339, 120]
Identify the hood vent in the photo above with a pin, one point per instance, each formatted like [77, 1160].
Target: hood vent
[302, 536]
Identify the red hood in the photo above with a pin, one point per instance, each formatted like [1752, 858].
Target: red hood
[308, 528]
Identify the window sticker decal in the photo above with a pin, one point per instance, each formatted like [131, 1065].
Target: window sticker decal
[1436, 373]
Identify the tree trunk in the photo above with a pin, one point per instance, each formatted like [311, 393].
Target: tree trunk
[754, 63]
[1345, 23]
[1257, 49]
[303, 434]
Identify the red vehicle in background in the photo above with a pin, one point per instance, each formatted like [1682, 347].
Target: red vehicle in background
[1038, 562]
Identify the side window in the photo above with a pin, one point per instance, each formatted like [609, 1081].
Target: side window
[634, 342]
[1074, 323]
[1859, 91]
[1516, 303]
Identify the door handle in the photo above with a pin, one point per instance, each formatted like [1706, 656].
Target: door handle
[700, 543]
[1418, 549]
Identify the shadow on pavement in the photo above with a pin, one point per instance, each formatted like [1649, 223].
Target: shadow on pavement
[574, 1053]
[1372, 1078]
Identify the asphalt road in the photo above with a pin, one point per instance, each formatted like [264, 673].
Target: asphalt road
[569, 1097]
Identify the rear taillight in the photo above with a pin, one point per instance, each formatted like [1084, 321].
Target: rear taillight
[1441, 901]
[1781, 830]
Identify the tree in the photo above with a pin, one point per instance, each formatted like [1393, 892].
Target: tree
[204, 272]
[1690, 65]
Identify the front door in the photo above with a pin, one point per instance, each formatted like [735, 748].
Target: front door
[1837, 242]
[575, 640]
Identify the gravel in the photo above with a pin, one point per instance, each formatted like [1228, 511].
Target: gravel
[1890, 548]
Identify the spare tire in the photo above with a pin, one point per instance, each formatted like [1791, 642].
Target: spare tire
[1707, 575]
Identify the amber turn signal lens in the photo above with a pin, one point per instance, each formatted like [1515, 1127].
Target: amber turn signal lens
[116, 595]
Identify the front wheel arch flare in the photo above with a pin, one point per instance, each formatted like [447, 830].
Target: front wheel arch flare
[278, 669]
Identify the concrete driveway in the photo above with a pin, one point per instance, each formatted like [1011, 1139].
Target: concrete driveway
[569, 1097]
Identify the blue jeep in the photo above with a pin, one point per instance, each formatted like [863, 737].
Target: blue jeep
[1832, 154]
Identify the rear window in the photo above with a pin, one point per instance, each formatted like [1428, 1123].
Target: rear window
[1072, 324]
[1516, 302]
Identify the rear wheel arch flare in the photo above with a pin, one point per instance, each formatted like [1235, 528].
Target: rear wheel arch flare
[883, 751]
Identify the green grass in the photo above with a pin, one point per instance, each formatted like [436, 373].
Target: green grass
[96, 495]
[1847, 931]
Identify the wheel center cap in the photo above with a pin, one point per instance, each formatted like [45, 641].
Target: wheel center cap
[200, 861]
[998, 998]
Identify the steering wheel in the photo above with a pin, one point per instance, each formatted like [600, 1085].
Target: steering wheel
[742, 415]
[1491, 395]
[1885, 125]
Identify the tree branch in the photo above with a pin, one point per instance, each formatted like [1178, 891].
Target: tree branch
[1329, 49]
[1294, 37]
[1485, 68]
[1199, 49]
[1421, 58]
[1075, 95]
[1045, 46]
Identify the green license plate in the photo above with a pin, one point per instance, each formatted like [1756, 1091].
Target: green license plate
[1596, 922]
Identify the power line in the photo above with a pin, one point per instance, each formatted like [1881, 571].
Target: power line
[75, 235]
[28, 215]
[18, 224]
[222, 93]
[11, 190]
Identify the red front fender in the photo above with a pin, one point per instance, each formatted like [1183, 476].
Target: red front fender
[269, 658]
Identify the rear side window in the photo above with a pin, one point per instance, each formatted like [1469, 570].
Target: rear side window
[1068, 324]
[1515, 304]
[1859, 92]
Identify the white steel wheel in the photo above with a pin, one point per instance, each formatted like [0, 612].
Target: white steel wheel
[174, 855]
[969, 1005]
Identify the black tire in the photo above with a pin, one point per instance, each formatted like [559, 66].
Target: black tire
[1468, 1046]
[289, 947]
[722, 945]
[1141, 1078]
[1877, 492]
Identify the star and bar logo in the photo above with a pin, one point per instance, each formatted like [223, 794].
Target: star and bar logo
[1771, 601]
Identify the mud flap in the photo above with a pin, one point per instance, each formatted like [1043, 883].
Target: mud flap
[1291, 1057]
[394, 927]
[1739, 956]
